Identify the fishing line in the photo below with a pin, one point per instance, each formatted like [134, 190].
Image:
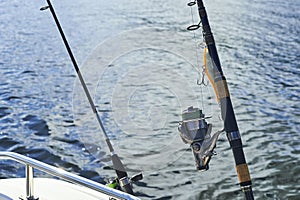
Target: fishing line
[195, 39]
[201, 76]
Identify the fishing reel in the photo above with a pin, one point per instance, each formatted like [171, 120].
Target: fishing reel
[121, 184]
[194, 130]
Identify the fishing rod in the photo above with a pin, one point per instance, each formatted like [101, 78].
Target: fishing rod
[195, 130]
[122, 181]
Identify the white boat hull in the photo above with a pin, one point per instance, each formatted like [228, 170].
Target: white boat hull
[47, 189]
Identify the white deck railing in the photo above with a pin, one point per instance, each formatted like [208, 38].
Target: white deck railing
[31, 164]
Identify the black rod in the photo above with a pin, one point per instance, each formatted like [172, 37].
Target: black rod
[230, 123]
[118, 165]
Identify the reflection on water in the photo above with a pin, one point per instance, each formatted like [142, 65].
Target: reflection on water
[141, 76]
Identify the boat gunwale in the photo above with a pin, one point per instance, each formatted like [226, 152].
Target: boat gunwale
[31, 164]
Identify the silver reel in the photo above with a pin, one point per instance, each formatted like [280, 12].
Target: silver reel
[194, 130]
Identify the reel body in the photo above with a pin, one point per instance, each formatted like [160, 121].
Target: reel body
[194, 130]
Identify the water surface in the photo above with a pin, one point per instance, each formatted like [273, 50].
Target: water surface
[138, 59]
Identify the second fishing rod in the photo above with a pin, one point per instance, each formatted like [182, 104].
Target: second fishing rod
[122, 177]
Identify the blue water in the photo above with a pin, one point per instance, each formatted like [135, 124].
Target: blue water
[137, 59]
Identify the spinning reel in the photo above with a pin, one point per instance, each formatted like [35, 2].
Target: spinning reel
[194, 130]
